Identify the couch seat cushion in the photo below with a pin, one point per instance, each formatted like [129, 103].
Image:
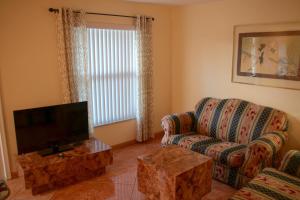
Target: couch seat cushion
[192, 141]
[227, 153]
[270, 184]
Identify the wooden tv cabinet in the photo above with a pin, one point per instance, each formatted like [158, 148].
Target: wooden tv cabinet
[54, 171]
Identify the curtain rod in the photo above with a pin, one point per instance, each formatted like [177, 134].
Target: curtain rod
[55, 10]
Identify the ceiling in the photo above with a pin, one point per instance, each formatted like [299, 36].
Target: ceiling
[172, 2]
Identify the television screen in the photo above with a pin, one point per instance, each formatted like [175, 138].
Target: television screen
[45, 127]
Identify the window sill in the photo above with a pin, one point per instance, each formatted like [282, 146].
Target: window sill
[115, 122]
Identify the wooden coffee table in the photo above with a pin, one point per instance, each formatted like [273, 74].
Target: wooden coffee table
[174, 173]
[58, 170]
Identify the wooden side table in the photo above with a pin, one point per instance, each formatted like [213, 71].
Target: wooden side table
[174, 173]
[83, 162]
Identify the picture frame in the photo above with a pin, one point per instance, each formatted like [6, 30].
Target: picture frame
[267, 55]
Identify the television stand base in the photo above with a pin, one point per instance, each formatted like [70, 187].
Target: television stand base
[50, 151]
[43, 173]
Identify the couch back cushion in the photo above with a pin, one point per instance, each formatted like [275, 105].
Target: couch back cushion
[291, 163]
[236, 120]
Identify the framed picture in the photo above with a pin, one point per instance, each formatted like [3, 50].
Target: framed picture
[267, 54]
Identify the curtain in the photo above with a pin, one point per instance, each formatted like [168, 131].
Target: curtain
[145, 72]
[72, 57]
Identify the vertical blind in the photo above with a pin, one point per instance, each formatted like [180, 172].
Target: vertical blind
[112, 61]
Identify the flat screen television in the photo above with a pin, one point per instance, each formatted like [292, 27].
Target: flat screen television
[51, 129]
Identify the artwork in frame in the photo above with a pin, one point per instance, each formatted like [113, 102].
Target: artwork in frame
[267, 54]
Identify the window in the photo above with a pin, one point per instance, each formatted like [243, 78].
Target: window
[112, 63]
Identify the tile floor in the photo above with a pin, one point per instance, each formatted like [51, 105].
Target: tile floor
[118, 183]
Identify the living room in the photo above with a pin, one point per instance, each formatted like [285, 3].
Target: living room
[194, 54]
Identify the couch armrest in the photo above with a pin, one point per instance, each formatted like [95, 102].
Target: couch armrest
[291, 163]
[177, 124]
[262, 152]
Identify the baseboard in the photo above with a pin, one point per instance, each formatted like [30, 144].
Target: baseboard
[157, 136]
[123, 144]
[14, 174]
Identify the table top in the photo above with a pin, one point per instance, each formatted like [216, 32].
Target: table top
[35, 160]
[174, 159]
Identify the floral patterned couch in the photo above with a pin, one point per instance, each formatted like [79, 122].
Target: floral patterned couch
[283, 183]
[241, 137]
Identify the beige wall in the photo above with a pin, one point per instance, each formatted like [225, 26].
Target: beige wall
[202, 45]
[28, 60]
[198, 38]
